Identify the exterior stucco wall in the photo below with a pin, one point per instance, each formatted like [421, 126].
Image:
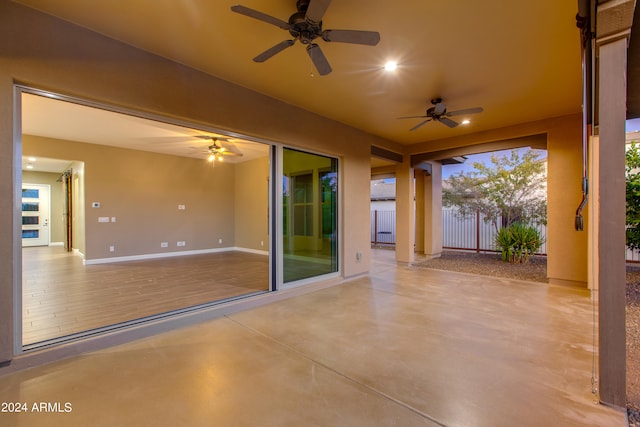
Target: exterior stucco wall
[567, 255]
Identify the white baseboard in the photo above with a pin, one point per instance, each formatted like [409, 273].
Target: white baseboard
[251, 251]
[170, 254]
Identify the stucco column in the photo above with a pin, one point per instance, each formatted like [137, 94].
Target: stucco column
[613, 26]
[611, 225]
[405, 212]
[433, 212]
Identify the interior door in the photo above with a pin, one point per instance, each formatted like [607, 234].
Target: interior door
[35, 215]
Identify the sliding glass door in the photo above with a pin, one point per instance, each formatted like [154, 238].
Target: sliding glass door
[310, 212]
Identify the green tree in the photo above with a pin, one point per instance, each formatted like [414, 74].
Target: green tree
[633, 196]
[512, 188]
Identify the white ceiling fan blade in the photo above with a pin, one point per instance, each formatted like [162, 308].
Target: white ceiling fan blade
[465, 111]
[369, 38]
[252, 13]
[316, 10]
[230, 149]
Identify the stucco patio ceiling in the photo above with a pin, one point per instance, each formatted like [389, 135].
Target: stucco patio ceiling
[520, 61]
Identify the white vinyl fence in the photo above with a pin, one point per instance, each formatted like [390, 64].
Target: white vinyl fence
[383, 227]
[467, 233]
[474, 233]
[470, 233]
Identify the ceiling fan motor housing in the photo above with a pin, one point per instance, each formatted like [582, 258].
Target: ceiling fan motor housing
[304, 30]
[302, 5]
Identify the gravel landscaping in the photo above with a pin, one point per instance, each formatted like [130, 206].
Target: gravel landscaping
[536, 270]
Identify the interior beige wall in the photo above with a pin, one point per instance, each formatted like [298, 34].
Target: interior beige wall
[56, 208]
[58, 56]
[144, 200]
[252, 204]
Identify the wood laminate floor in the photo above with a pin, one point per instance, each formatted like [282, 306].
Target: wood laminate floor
[62, 296]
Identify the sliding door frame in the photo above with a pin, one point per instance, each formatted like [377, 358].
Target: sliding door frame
[158, 323]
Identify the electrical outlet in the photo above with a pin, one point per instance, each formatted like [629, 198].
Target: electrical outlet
[164, 244]
[112, 248]
[181, 207]
[220, 241]
[181, 243]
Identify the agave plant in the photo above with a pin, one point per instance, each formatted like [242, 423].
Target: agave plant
[518, 242]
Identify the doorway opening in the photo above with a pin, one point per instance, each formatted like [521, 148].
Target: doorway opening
[141, 224]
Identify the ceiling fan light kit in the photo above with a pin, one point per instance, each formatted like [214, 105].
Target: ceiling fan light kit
[305, 26]
[217, 151]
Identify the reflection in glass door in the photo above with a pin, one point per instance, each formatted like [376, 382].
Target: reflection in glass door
[310, 187]
[35, 215]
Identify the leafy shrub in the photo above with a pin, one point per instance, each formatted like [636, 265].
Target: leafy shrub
[518, 242]
[633, 196]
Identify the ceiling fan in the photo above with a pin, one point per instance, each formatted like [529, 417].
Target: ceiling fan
[306, 26]
[439, 113]
[219, 148]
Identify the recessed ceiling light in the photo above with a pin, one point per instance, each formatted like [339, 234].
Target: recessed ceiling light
[32, 159]
[390, 66]
[466, 122]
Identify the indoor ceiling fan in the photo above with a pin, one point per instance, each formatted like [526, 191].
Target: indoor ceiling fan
[439, 113]
[219, 148]
[306, 26]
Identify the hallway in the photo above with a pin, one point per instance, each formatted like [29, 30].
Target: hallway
[402, 347]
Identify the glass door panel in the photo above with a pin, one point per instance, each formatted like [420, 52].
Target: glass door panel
[35, 215]
[309, 215]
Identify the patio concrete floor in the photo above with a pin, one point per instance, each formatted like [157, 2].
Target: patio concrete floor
[402, 347]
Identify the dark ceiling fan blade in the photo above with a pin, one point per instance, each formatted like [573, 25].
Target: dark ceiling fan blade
[316, 10]
[448, 122]
[273, 50]
[420, 124]
[252, 13]
[318, 59]
[413, 117]
[465, 111]
[369, 38]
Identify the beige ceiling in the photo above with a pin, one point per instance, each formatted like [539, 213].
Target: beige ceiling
[518, 60]
[59, 119]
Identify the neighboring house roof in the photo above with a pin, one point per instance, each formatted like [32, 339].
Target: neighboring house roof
[381, 190]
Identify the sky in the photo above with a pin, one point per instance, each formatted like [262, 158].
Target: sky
[467, 166]
[448, 170]
[633, 125]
